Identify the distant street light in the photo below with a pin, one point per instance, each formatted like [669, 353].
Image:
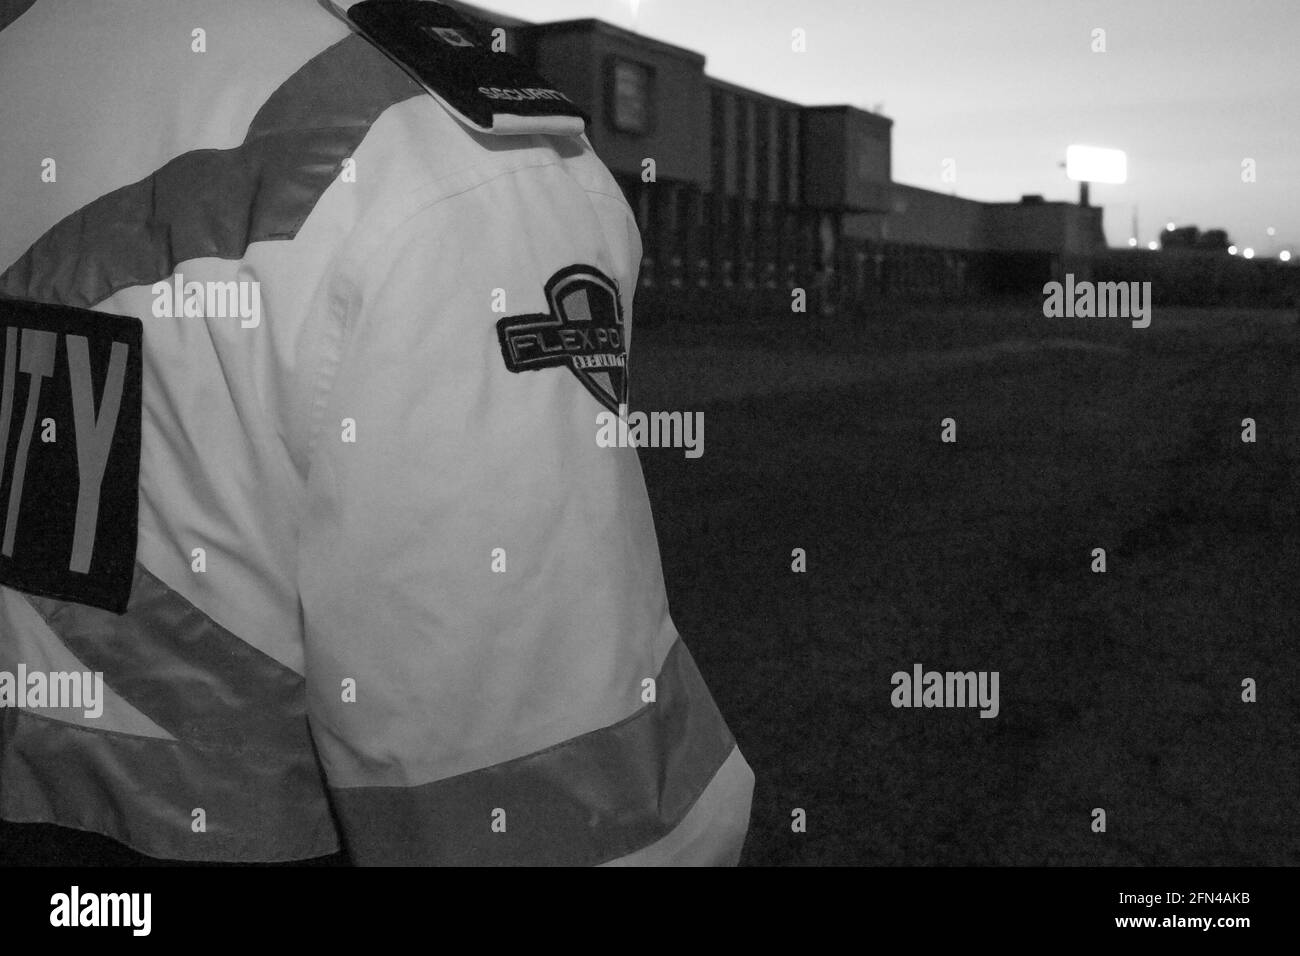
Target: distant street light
[1284, 255]
[1169, 227]
[1133, 241]
[1248, 253]
[1232, 250]
[1153, 245]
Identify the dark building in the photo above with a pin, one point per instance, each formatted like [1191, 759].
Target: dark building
[738, 191]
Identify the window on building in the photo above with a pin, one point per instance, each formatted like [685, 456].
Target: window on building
[792, 194]
[718, 133]
[630, 95]
[744, 145]
[763, 152]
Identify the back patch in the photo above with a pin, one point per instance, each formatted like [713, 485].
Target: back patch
[70, 403]
[445, 54]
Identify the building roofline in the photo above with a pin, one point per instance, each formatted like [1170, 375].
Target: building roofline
[878, 118]
[908, 187]
[1045, 202]
[483, 13]
[1009, 204]
[593, 25]
[755, 94]
[750, 92]
[596, 25]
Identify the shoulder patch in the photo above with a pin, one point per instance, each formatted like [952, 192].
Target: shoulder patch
[70, 403]
[583, 332]
[491, 91]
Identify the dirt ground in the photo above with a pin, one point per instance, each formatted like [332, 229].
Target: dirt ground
[1120, 691]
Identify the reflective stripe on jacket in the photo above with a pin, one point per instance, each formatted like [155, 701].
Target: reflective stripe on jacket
[388, 590]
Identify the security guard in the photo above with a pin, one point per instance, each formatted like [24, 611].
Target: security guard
[306, 321]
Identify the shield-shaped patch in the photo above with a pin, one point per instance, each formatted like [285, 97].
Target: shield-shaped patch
[584, 332]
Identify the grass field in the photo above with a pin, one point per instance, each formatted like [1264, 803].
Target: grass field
[1119, 690]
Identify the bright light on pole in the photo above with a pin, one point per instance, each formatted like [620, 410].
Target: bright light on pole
[1248, 253]
[1133, 241]
[1232, 250]
[1169, 227]
[1285, 255]
[1153, 245]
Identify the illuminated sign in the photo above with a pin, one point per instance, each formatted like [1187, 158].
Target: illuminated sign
[1093, 164]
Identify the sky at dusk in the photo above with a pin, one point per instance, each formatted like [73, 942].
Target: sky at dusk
[1188, 88]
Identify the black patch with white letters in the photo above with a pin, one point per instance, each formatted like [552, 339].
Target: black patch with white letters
[584, 332]
[70, 405]
[448, 56]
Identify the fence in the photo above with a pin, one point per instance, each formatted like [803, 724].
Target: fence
[864, 275]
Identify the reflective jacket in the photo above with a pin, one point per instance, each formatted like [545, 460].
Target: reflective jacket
[387, 592]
